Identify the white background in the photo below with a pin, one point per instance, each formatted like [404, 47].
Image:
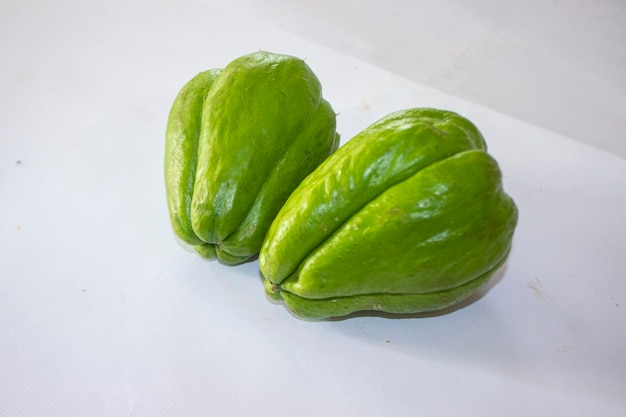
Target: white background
[556, 64]
[104, 313]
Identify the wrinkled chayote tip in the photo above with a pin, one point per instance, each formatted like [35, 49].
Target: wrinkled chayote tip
[212, 252]
[229, 259]
[272, 290]
[207, 251]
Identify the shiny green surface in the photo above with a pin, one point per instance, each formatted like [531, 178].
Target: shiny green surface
[237, 144]
[410, 209]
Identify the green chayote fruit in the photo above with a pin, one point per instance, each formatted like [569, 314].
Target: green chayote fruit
[408, 216]
[238, 142]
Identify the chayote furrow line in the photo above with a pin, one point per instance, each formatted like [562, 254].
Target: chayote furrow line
[319, 309]
[409, 216]
[233, 157]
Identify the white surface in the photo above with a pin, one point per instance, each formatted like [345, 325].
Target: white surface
[102, 313]
[558, 64]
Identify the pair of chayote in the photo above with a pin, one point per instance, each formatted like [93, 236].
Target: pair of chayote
[408, 216]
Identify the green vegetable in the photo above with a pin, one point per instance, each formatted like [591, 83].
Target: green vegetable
[408, 216]
[238, 142]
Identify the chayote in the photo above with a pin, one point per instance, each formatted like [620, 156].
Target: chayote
[408, 216]
[238, 142]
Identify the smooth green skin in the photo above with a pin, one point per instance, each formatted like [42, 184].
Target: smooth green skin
[262, 127]
[432, 225]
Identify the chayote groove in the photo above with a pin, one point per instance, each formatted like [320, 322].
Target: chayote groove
[408, 216]
[238, 141]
